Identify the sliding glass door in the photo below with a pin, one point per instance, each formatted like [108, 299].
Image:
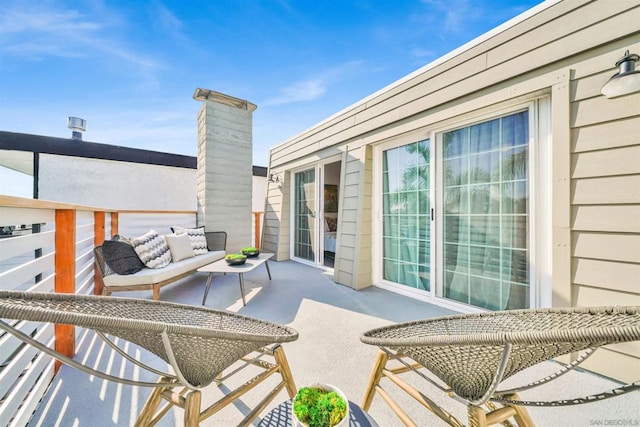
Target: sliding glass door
[486, 213]
[481, 216]
[305, 207]
[406, 211]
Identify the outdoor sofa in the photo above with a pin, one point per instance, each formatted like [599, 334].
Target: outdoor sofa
[144, 277]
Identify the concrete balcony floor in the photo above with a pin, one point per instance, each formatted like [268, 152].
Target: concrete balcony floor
[330, 319]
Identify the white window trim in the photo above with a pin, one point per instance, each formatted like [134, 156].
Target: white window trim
[540, 202]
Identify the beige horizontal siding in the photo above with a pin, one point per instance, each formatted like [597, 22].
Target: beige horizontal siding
[348, 227]
[613, 218]
[605, 198]
[617, 133]
[344, 273]
[586, 296]
[351, 191]
[601, 109]
[563, 27]
[606, 190]
[614, 161]
[590, 86]
[607, 246]
[348, 221]
[609, 275]
[352, 179]
[363, 274]
[347, 241]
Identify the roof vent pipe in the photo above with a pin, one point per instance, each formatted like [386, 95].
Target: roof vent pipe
[77, 126]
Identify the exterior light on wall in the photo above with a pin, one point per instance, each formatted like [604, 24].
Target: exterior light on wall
[626, 80]
[275, 178]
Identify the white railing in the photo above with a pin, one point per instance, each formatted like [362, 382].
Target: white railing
[48, 247]
[29, 262]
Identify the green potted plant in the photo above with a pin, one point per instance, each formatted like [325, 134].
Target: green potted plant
[320, 405]
[235, 259]
[250, 251]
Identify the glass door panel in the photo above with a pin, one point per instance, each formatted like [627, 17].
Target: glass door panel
[305, 215]
[486, 213]
[406, 238]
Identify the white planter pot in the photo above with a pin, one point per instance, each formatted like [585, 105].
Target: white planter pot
[345, 420]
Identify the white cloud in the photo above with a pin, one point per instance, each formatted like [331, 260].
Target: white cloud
[419, 52]
[37, 30]
[167, 21]
[16, 20]
[455, 15]
[314, 87]
[301, 91]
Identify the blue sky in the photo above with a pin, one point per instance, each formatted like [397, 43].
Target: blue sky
[130, 68]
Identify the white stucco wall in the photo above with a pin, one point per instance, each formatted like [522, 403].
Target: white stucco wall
[116, 185]
[259, 193]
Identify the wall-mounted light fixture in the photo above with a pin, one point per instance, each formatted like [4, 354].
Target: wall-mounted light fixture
[626, 80]
[274, 177]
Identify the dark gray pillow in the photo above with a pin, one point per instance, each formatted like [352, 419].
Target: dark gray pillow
[121, 257]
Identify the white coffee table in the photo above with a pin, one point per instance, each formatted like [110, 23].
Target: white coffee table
[221, 266]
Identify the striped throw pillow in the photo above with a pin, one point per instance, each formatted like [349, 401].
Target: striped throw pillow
[196, 237]
[152, 249]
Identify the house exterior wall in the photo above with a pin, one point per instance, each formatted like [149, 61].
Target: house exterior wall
[115, 184]
[109, 176]
[277, 212]
[564, 51]
[259, 192]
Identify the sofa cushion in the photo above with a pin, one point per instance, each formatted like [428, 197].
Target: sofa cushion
[150, 276]
[197, 238]
[179, 246]
[152, 249]
[121, 257]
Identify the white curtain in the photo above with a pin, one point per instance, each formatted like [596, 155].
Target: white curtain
[486, 237]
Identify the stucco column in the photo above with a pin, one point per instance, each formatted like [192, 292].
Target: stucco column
[225, 157]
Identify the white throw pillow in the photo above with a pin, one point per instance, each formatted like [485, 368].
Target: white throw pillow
[197, 238]
[180, 246]
[152, 249]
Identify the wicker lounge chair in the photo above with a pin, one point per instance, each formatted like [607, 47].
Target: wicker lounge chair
[198, 343]
[473, 354]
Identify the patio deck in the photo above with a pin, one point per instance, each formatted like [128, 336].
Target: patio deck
[330, 319]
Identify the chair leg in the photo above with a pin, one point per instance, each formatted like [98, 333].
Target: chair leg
[192, 408]
[374, 379]
[156, 293]
[477, 416]
[522, 416]
[285, 371]
[150, 406]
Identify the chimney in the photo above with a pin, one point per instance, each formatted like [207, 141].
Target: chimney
[225, 172]
[77, 126]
